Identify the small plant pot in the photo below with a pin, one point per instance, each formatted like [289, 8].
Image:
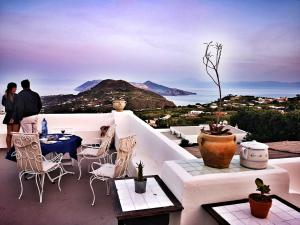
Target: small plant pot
[259, 208]
[140, 186]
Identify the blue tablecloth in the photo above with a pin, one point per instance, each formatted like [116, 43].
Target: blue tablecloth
[68, 146]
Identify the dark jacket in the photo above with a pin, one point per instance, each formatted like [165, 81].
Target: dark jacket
[10, 108]
[28, 104]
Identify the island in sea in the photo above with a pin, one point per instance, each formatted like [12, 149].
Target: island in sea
[99, 99]
[148, 85]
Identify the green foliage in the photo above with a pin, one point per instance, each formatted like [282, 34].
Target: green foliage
[140, 167]
[216, 129]
[268, 125]
[162, 123]
[264, 189]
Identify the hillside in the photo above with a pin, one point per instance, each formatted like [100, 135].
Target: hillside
[100, 97]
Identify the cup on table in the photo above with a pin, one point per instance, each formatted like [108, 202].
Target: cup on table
[63, 131]
[44, 139]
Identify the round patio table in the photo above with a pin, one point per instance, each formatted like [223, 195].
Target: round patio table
[61, 146]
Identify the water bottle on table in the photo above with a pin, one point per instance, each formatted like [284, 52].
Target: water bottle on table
[44, 128]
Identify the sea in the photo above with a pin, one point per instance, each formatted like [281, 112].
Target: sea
[207, 95]
[203, 95]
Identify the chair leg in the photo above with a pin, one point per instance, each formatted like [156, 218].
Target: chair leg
[60, 175]
[107, 187]
[79, 167]
[40, 185]
[92, 178]
[20, 178]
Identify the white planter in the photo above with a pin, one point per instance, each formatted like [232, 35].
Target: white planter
[254, 155]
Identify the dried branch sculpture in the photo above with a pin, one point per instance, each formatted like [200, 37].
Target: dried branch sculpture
[211, 63]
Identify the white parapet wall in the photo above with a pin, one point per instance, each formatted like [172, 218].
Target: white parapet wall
[85, 125]
[153, 148]
[292, 165]
[194, 191]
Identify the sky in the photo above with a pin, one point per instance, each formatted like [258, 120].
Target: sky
[61, 44]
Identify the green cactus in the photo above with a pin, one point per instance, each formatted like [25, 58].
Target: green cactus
[140, 167]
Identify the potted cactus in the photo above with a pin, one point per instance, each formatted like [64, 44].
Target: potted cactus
[140, 181]
[217, 146]
[260, 203]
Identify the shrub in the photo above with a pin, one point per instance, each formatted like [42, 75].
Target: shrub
[184, 143]
[268, 126]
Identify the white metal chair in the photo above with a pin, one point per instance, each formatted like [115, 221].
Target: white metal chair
[31, 161]
[97, 153]
[114, 170]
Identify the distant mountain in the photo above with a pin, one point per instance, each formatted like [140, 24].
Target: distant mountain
[87, 85]
[165, 91]
[148, 85]
[100, 97]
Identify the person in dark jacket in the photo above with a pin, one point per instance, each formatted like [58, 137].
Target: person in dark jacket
[28, 106]
[9, 100]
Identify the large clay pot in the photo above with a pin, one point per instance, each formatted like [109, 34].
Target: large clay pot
[217, 150]
[259, 209]
[119, 105]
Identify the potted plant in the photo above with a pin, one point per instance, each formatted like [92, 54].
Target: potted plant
[140, 181]
[217, 146]
[119, 104]
[260, 204]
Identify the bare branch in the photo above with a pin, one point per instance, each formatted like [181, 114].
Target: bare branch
[206, 63]
[207, 60]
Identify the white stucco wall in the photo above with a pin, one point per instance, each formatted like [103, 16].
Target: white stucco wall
[292, 165]
[193, 191]
[85, 125]
[153, 148]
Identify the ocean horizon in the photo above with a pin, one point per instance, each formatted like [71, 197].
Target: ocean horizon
[203, 95]
[207, 95]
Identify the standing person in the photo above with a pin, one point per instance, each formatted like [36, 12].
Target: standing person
[9, 102]
[29, 105]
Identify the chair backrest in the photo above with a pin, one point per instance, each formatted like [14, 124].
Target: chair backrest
[106, 141]
[124, 155]
[28, 152]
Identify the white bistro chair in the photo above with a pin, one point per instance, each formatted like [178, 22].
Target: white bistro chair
[117, 169]
[97, 153]
[31, 161]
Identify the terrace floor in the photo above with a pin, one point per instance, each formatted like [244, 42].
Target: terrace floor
[71, 206]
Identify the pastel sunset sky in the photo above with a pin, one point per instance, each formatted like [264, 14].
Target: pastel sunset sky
[66, 42]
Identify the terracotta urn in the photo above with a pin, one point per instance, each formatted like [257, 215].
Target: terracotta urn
[119, 105]
[259, 209]
[217, 150]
